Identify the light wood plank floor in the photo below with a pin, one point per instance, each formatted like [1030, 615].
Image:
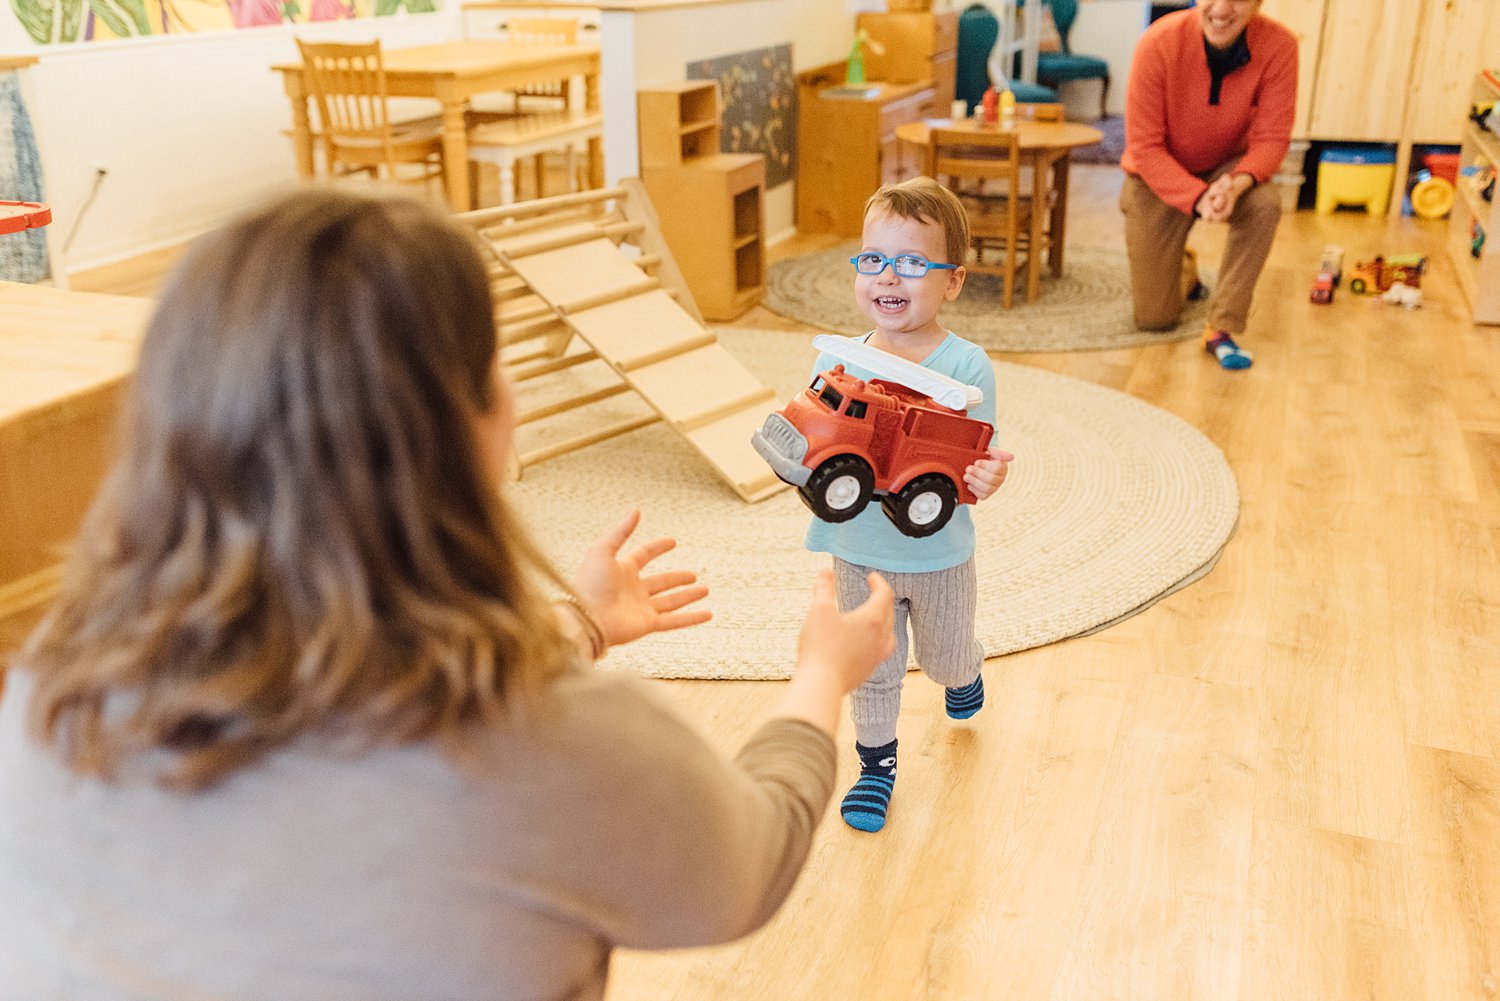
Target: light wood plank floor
[1281, 782]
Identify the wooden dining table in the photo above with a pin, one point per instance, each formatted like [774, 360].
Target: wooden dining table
[1046, 148]
[452, 73]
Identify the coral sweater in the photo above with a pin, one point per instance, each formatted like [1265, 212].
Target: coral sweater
[1172, 133]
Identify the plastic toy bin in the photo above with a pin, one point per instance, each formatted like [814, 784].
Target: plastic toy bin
[1355, 177]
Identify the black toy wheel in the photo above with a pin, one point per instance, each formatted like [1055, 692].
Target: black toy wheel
[839, 489]
[1357, 286]
[923, 506]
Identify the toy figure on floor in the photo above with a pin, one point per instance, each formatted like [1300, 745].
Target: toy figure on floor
[902, 437]
[1208, 118]
[909, 263]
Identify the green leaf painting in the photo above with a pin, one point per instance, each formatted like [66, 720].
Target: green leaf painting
[125, 18]
[49, 21]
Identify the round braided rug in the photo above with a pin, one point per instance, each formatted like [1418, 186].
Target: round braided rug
[1111, 504]
[1088, 308]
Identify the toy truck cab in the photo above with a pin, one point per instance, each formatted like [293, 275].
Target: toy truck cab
[844, 441]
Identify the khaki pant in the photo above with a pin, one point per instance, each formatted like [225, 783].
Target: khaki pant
[1156, 235]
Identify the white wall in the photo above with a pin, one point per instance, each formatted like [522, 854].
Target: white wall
[648, 48]
[189, 128]
[1109, 29]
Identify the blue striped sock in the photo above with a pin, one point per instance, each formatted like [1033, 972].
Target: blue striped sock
[966, 701]
[866, 802]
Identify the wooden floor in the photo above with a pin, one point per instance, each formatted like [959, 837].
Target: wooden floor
[1282, 782]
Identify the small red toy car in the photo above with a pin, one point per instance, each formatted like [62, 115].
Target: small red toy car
[843, 441]
[1322, 290]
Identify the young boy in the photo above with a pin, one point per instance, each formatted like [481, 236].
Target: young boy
[911, 262]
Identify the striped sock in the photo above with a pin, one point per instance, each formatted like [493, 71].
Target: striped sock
[966, 701]
[1222, 346]
[866, 802]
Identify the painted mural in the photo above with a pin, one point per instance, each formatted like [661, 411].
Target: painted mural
[51, 22]
[759, 93]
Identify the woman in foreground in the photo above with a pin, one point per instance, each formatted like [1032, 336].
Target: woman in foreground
[305, 723]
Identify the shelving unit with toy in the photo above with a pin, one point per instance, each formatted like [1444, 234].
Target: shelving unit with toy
[1474, 219]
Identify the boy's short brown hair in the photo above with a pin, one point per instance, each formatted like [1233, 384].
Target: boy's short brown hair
[925, 200]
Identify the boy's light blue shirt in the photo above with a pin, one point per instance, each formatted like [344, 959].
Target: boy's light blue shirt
[870, 539]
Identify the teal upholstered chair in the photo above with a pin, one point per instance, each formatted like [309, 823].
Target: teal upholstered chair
[978, 30]
[1053, 68]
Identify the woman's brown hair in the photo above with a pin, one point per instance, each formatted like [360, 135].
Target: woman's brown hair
[300, 535]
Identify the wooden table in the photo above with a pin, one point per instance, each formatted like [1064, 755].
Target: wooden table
[64, 360]
[452, 73]
[1045, 147]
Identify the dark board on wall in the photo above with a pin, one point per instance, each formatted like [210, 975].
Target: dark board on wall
[759, 92]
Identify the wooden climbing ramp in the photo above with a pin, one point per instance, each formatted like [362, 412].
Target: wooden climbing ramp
[588, 278]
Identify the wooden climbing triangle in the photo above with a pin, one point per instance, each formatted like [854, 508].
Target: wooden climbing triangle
[588, 277]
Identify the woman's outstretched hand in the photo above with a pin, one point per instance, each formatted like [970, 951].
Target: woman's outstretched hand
[837, 651]
[626, 604]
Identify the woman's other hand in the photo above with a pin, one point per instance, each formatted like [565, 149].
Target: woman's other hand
[837, 651]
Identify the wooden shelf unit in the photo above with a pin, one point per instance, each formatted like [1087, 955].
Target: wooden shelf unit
[711, 204]
[1478, 277]
[679, 122]
[919, 46]
[847, 146]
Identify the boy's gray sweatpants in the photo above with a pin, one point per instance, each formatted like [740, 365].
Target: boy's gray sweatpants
[940, 606]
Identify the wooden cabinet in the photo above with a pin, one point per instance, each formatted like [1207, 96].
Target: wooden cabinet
[1456, 39]
[711, 210]
[1478, 276]
[847, 146]
[711, 204]
[1395, 71]
[918, 46]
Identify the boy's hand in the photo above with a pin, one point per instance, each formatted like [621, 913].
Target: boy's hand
[985, 476]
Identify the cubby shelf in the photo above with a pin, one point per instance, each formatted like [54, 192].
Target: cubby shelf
[710, 203]
[1479, 277]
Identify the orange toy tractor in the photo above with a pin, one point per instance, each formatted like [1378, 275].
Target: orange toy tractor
[843, 441]
[1380, 274]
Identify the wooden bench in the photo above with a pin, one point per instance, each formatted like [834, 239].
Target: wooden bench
[503, 142]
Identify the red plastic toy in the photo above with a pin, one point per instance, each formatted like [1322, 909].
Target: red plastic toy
[843, 441]
[16, 216]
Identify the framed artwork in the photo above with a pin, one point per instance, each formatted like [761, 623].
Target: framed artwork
[759, 93]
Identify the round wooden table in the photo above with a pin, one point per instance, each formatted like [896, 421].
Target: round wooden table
[1045, 147]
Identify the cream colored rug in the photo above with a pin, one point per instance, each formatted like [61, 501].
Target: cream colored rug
[1111, 504]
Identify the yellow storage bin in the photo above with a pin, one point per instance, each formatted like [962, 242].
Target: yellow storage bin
[1355, 177]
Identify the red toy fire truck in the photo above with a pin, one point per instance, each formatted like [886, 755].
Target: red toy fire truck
[904, 438]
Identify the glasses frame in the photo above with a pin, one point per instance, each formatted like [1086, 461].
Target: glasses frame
[891, 263]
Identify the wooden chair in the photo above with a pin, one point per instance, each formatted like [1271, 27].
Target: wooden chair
[347, 81]
[1054, 68]
[497, 113]
[984, 170]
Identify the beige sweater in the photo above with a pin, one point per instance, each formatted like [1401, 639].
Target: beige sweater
[508, 872]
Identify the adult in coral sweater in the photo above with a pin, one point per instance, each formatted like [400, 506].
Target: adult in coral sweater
[1208, 117]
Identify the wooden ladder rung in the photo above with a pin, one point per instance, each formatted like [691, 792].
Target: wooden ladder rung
[615, 232]
[583, 441]
[523, 371]
[572, 402]
[635, 288]
[538, 206]
[512, 332]
[670, 351]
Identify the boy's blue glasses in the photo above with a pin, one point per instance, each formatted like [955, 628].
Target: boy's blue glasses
[905, 265]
